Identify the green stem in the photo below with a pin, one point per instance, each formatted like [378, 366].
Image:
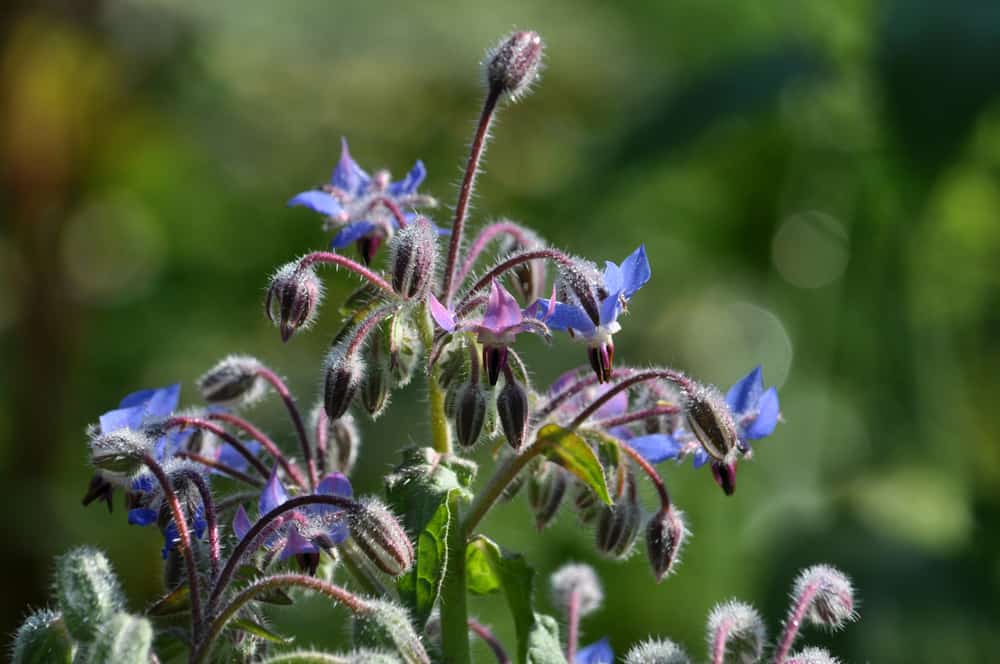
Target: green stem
[504, 475]
[440, 433]
[454, 612]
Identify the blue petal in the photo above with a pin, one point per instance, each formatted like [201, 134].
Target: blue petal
[296, 544]
[743, 396]
[198, 523]
[143, 483]
[611, 307]
[596, 653]
[273, 495]
[635, 271]
[141, 516]
[350, 233]
[409, 184]
[348, 175]
[241, 523]
[229, 456]
[612, 277]
[656, 447]
[700, 458]
[317, 201]
[164, 401]
[122, 418]
[335, 484]
[767, 416]
[564, 317]
[137, 399]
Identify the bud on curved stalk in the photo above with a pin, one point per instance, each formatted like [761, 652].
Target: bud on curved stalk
[529, 277]
[343, 440]
[344, 374]
[512, 408]
[812, 656]
[235, 380]
[711, 421]
[725, 476]
[657, 651]
[42, 637]
[413, 259]
[381, 537]
[118, 453]
[580, 579]
[546, 490]
[665, 534]
[87, 591]
[618, 525]
[736, 634]
[387, 625]
[470, 414]
[822, 595]
[293, 298]
[512, 67]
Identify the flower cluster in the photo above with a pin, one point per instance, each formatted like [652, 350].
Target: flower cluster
[455, 310]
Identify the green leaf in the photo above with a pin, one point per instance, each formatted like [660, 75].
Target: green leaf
[481, 574]
[573, 453]
[260, 631]
[537, 635]
[42, 639]
[176, 601]
[419, 490]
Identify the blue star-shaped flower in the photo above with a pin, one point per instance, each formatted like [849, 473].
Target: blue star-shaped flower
[598, 652]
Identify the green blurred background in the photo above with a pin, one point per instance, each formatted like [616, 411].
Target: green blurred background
[817, 184]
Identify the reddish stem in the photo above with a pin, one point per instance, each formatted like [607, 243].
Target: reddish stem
[290, 469]
[322, 426]
[636, 415]
[343, 261]
[572, 625]
[719, 644]
[390, 205]
[221, 467]
[293, 413]
[479, 244]
[794, 622]
[575, 388]
[484, 633]
[462, 206]
[511, 263]
[652, 374]
[181, 421]
[211, 517]
[654, 477]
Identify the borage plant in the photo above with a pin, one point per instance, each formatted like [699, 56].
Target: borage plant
[404, 565]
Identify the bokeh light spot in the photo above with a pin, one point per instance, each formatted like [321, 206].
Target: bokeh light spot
[810, 250]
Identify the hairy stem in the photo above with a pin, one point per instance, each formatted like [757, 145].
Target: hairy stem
[639, 377]
[454, 611]
[462, 206]
[489, 494]
[359, 269]
[181, 422]
[636, 415]
[511, 263]
[238, 422]
[296, 417]
[719, 642]
[484, 633]
[794, 622]
[440, 434]
[211, 518]
[482, 240]
[223, 468]
[572, 625]
[654, 477]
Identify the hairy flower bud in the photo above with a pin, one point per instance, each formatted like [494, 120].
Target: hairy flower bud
[602, 359]
[387, 625]
[736, 630]
[125, 639]
[578, 579]
[546, 490]
[618, 525]
[381, 537]
[87, 590]
[712, 423]
[42, 637]
[826, 596]
[812, 656]
[234, 380]
[513, 65]
[413, 259]
[665, 534]
[375, 385]
[344, 374]
[293, 298]
[404, 345]
[494, 360]
[657, 651]
[470, 414]
[343, 440]
[577, 285]
[512, 408]
[118, 453]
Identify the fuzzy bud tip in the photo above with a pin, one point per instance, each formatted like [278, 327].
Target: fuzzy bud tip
[828, 594]
[581, 580]
[513, 66]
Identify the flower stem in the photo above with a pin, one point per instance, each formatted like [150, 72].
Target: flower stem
[391, 206]
[511, 263]
[462, 206]
[296, 417]
[290, 469]
[794, 622]
[454, 611]
[636, 415]
[222, 468]
[184, 534]
[440, 434]
[639, 377]
[484, 633]
[322, 429]
[179, 421]
[211, 518]
[479, 244]
[572, 625]
[654, 477]
[352, 602]
[489, 494]
[719, 642]
[344, 261]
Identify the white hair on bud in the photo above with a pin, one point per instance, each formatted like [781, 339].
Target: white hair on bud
[514, 64]
[812, 656]
[737, 629]
[233, 381]
[580, 579]
[829, 595]
[657, 651]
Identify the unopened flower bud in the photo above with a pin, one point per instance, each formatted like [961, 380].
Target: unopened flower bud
[293, 298]
[380, 536]
[657, 651]
[618, 525]
[495, 360]
[234, 380]
[725, 476]
[125, 639]
[87, 590]
[42, 637]
[403, 344]
[546, 491]
[512, 408]
[712, 423]
[812, 656]
[470, 414]
[386, 625]
[581, 580]
[413, 259]
[344, 373]
[736, 630]
[118, 453]
[826, 594]
[602, 359]
[375, 385]
[588, 506]
[513, 65]
[343, 440]
[665, 534]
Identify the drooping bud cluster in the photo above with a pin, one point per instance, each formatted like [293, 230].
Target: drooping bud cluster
[618, 525]
[581, 580]
[413, 259]
[380, 536]
[665, 535]
[512, 67]
[736, 633]
[546, 490]
[342, 439]
[657, 651]
[827, 595]
[235, 380]
[293, 298]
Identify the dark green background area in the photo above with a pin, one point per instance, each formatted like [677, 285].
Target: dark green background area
[817, 185]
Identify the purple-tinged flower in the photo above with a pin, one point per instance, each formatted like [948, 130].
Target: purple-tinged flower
[502, 321]
[599, 652]
[304, 531]
[364, 207]
[620, 283]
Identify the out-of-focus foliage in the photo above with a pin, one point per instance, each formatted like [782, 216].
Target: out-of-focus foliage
[820, 180]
